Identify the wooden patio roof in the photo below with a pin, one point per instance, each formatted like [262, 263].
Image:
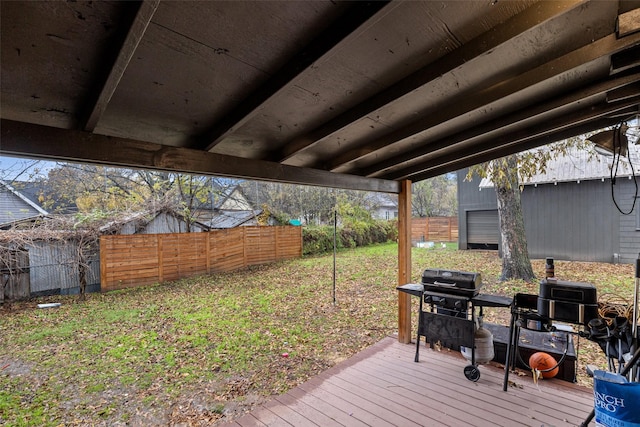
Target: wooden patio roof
[383, 386]
[343, 94]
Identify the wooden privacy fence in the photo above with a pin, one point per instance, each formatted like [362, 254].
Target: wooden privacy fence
[128, 261]
[434, 229]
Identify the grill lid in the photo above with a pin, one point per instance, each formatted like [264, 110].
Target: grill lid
[452, 282]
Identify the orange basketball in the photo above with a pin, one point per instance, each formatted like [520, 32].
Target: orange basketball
[543, 361]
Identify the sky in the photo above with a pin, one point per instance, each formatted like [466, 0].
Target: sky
[12, 168]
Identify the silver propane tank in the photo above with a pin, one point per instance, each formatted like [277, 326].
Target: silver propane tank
[483, 339]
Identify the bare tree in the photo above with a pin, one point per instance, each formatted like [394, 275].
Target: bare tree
[435, 197]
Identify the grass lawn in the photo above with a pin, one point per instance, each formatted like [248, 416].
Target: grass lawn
[190, 351]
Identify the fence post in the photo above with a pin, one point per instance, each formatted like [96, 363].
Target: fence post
[426, 229]
[207, 251]
[300, 240]
[244, 246]
[103, 264]
[159, 248]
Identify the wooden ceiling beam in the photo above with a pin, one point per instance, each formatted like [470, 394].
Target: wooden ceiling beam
[518, 118]
[29, 140]
[483, 97]
[134, 36]
[519, 24]
[623, 92]
[625, 60]
[539, 134]
[357, 14]
[547, 139]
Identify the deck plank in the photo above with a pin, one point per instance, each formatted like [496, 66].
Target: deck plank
[341, 417]
[249, 420]
[491, 403]
[383, 386]
[490, 376]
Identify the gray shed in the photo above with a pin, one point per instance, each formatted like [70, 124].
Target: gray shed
[569, 211]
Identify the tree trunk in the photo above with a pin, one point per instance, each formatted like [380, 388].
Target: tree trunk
[515, 257]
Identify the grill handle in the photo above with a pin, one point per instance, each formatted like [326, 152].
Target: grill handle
[451, 285]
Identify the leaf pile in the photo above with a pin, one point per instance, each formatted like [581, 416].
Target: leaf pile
[203, 349]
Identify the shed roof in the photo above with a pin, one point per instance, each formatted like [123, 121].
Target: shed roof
[582, 165]
[229, 218]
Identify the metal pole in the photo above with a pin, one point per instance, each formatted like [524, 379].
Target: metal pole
[335, 232]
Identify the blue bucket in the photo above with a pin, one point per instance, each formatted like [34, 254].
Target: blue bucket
[616, 400]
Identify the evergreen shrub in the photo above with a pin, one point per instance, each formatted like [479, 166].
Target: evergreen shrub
[317, 240]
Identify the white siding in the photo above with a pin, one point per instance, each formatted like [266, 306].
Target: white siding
[12, 208]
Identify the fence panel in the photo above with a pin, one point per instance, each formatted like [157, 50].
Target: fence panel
[260, 245]
[182, 255]
[288, 242]
[128, 261]
[135, 260]
[434, 229]
[226, 248]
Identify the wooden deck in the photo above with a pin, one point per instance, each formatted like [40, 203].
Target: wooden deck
[383, 386]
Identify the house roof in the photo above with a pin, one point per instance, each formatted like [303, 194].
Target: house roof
[7, 217]
[34, 190]
[24, 198]
[382, 199]
[582, 165]
[28, 189]
[356, 95]
[230, 218]
[142, 217]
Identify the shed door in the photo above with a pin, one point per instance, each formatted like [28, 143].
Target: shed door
[483, 229]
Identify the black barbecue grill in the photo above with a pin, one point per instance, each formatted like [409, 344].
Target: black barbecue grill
[459, 283]
[452, 297]
[558, 300]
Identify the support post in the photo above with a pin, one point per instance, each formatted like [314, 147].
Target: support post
[404, 261]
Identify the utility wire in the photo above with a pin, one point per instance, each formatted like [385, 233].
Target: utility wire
[617, 147]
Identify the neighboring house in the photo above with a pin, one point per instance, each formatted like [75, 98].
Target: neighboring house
[232, 210]
[153, 222]
[39, 192]
[15, 206]
[569, 212]
[382, 205]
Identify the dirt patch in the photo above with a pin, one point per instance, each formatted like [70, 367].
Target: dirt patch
[15, 368]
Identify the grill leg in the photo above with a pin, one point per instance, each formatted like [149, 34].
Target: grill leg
[510, 347]
[417, 357]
